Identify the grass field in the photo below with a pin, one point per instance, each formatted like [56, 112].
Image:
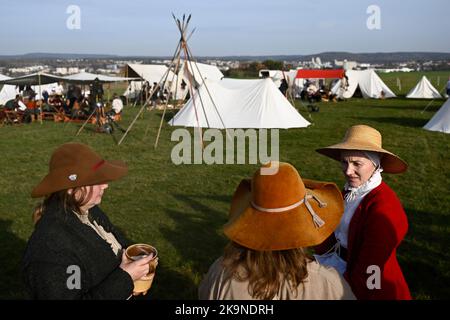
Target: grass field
[408, 80]
[181, 209]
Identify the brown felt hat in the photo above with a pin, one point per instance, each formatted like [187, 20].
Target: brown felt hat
[76, 165]
[365, 138]
[282, 211]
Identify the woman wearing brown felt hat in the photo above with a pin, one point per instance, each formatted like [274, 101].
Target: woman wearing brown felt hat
[363, 247]
[75, 252]
[273, 220]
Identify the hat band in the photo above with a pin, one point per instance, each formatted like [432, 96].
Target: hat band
[318, 222]
[96, 166]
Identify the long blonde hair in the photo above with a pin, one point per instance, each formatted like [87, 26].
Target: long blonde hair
[266, 270]
[73, 200]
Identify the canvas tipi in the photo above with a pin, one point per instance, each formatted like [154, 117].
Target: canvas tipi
[441, 120]
[424, 90]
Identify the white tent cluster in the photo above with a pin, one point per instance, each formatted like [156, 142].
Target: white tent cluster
[41, 82]
[424, 90]
[369, 83]
[232, 103]
[441, 120]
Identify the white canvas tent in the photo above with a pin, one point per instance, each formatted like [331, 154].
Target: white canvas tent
[195, 71]
[7, 92]
[369, 83]
[148, 72]
[154, 73]
[424, 90]
[441, 120]
[239, 104]
[295, 84]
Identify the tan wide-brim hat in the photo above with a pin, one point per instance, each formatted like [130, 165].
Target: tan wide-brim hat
[365, 138]
[282, 211]
[76, 165]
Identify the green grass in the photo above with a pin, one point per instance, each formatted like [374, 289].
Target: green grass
[408, 80]
[181, 209]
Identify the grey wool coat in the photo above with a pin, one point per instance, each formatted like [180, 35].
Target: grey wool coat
[66, 259]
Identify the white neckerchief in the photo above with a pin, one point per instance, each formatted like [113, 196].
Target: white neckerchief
[107, 236]
[352, 199]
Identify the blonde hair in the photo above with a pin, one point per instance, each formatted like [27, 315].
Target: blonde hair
[266, 270]
[73, 200]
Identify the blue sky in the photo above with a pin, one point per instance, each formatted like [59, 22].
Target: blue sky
[225, 27]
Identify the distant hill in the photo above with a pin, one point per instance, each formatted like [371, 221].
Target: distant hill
[377, 57]
[64, 56]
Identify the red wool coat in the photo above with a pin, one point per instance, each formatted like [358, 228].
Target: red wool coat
[377, 227]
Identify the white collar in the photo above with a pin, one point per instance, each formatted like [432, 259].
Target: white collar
[359, 192]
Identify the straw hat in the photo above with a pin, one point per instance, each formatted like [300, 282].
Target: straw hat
[365, 138]
[282, 211]
[75, 165]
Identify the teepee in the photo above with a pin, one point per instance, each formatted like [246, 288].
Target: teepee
[441, 120]
[424, 90]
[182, 63]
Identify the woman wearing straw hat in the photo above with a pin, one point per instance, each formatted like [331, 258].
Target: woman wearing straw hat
[75, 252]
[272, 220]
[363, 247]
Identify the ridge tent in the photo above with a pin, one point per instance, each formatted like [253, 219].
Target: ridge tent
[239, 104]
[424, 90]
[369, 83]
[441, 120]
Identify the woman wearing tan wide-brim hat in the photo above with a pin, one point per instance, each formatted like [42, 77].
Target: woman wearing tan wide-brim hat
[363, 247]
[75, 252]
[272, 220]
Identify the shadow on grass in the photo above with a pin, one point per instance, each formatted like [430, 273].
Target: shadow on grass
[432, 108]
[170, 113]
[196, 239]
[424, 255]
[402, 121]
[11, 284]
